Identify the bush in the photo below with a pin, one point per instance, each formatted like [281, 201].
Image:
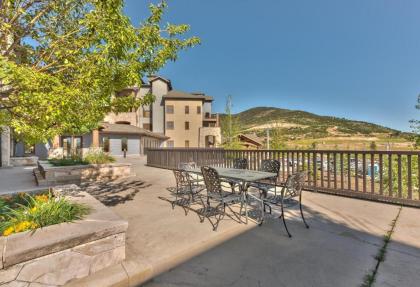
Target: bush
[25, 212]
[99, 157]
[67, 161]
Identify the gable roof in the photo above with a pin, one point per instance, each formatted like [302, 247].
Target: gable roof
[128, 129]
[252, 138]
[153, 78]
[174, 94]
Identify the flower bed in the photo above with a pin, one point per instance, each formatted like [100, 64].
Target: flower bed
[24, 212]
[57, 254]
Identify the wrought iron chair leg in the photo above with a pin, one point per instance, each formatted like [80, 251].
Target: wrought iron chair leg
[301, 213]
[221, 215]
[188, 207]
[284, 221]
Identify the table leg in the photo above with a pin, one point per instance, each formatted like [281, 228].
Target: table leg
[245, 200]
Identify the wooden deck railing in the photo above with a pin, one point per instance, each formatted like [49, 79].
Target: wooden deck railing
[390, 176]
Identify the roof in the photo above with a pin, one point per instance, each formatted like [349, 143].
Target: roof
[155, 77]
[253, 137]
[129, 129]
[173, 94]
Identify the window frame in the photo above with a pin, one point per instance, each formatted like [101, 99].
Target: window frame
[170, 109]
[168, 127]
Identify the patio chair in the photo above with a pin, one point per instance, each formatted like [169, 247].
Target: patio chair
[186, 190]
[287, 198]
[186, 166]
[268, 165]
[238, 163]
[222, 198]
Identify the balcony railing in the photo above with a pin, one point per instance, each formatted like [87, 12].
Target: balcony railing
[390, 176]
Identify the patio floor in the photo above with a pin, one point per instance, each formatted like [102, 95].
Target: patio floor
[338, 249]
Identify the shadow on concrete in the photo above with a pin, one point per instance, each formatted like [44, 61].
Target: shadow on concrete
[339, 249]
[112, 193]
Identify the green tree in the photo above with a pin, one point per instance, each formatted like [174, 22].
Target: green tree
[278, 141]
[373, 145]
[61, 62]
[230, 127]
[415, 125]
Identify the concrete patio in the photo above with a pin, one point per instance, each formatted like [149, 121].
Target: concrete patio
[167, 248]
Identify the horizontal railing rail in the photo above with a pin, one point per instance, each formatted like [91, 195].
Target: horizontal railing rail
[390, 176]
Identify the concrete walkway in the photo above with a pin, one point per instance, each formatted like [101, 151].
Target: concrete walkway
[338, 249]
[16, 179]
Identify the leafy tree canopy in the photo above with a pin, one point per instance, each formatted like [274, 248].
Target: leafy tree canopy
[230, 128]
[61, 62]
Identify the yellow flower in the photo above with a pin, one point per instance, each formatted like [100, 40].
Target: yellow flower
[42, 198]
[25, 225]
[8, 231]
[33, 209]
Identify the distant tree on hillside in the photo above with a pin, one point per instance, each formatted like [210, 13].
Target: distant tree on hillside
[415, 125]
[373, 145]
[278, 141]
[230, 128]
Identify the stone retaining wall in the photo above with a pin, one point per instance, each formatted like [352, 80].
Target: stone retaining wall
[23, 161]
[47, 174]
[57, 254]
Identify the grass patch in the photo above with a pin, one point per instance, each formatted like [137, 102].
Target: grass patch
[99, 157]
[380, 257]
[24, 212]
[67, 161]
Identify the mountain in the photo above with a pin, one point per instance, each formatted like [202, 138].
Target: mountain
[299, 125]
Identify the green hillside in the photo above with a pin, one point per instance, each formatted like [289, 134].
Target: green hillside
[300, 125]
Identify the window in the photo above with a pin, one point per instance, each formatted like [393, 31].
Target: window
[187, 143]
[169, 109]
[147, 127]
[198, 110]
[187, 110]
[187, 125]
[105, 144]
[124, 144]
[170, 143]
[170, 125]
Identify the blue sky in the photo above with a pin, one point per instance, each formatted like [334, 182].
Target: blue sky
[356, 59]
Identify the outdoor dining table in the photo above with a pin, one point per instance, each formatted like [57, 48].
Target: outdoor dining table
[243, 177]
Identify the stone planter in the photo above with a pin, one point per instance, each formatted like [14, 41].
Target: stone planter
[23, 161]
[46, 174]
[57, 254]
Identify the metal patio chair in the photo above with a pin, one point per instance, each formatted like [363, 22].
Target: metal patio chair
[268, 165]
[291, 190]
[238, 163]
[216, 194]
[186, 166]
[186, 191]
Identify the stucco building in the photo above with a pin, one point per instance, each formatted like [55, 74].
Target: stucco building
[175, 119]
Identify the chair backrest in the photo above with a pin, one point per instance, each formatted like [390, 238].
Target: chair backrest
[240, 163]
[187, 165]
[270, 165]
[294, 184]
[211, 180]
[182, 180]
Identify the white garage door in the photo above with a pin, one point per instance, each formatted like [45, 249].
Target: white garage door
[115, 145]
